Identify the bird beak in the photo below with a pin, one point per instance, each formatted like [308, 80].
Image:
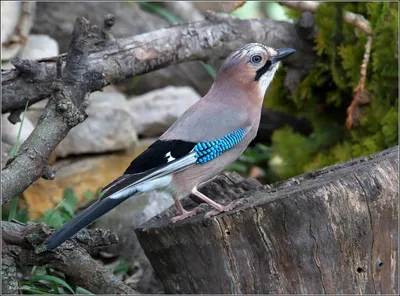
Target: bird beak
[282, 53]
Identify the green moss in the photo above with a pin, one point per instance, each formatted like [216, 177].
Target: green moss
[324, 95]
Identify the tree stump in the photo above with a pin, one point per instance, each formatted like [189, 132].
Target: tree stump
[331, 231]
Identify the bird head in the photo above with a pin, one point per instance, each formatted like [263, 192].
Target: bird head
[253, 66]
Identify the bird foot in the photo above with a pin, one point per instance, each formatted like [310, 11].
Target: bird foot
[187, 214]
[224, 209]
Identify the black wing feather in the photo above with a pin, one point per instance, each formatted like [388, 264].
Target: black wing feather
[155, 155]
[151, 159]
[87, 216]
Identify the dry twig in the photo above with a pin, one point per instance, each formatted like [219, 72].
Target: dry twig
[229, 6]
[360, 94]
[356, 20]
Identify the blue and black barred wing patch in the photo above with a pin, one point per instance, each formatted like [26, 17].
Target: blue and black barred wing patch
[207, 151]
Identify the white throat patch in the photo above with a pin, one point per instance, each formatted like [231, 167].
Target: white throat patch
[266, 79]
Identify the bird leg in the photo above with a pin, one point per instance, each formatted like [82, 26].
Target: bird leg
[183, 214]
[218, 208]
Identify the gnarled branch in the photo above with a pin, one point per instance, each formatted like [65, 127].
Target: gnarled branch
[65, 109]
[22, 246]
[213, 38]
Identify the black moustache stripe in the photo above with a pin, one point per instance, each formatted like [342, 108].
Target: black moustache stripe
[260, 72]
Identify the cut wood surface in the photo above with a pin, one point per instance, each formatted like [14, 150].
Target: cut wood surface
[331, 231]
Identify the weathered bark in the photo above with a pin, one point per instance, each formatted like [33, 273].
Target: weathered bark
[213, 38]
[56, 20]
[65, 109]
[9, 275]
[329, 231]
[21, 246]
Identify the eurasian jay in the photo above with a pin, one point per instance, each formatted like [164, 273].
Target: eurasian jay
[209, 136]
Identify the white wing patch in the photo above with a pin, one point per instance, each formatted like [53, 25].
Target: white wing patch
[158, 179]
[169, 156]
[158, 183]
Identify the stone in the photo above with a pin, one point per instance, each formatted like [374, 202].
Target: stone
[108, 127]
[81, 174]
[36, 47]
[6, 149]
[16, 23]
[10, 11]
[39, 47]
[10, 131]
[155, 111]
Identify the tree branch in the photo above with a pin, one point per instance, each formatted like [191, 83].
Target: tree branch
[22, 245]
[357, 20]
[213, 38]
[65, 109]
[360, 96]
[9, 275]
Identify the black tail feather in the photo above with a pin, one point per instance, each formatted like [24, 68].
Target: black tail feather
[84, 218]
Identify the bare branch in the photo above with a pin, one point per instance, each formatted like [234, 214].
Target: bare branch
[187, 11]
[357, 20]
[229, 6]
[213, 38]
[360, 94]
[65, 109]
[22, 243]
[15, 41]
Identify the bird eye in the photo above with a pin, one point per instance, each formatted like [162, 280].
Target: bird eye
[255, 59]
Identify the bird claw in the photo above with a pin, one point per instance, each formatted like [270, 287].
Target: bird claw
[224, 209]
[188, 214]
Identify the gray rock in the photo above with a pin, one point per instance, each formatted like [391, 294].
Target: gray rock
[10, 11]
[5, 153]
[36, 47]
[39, 47]
[16, 22]
[10, 131]
[109, 126]
[155, 111]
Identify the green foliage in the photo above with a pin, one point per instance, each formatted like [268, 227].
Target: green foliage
[64, 211]
[259, 155]
[122, 268]
[324, 95]
[47, 281]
